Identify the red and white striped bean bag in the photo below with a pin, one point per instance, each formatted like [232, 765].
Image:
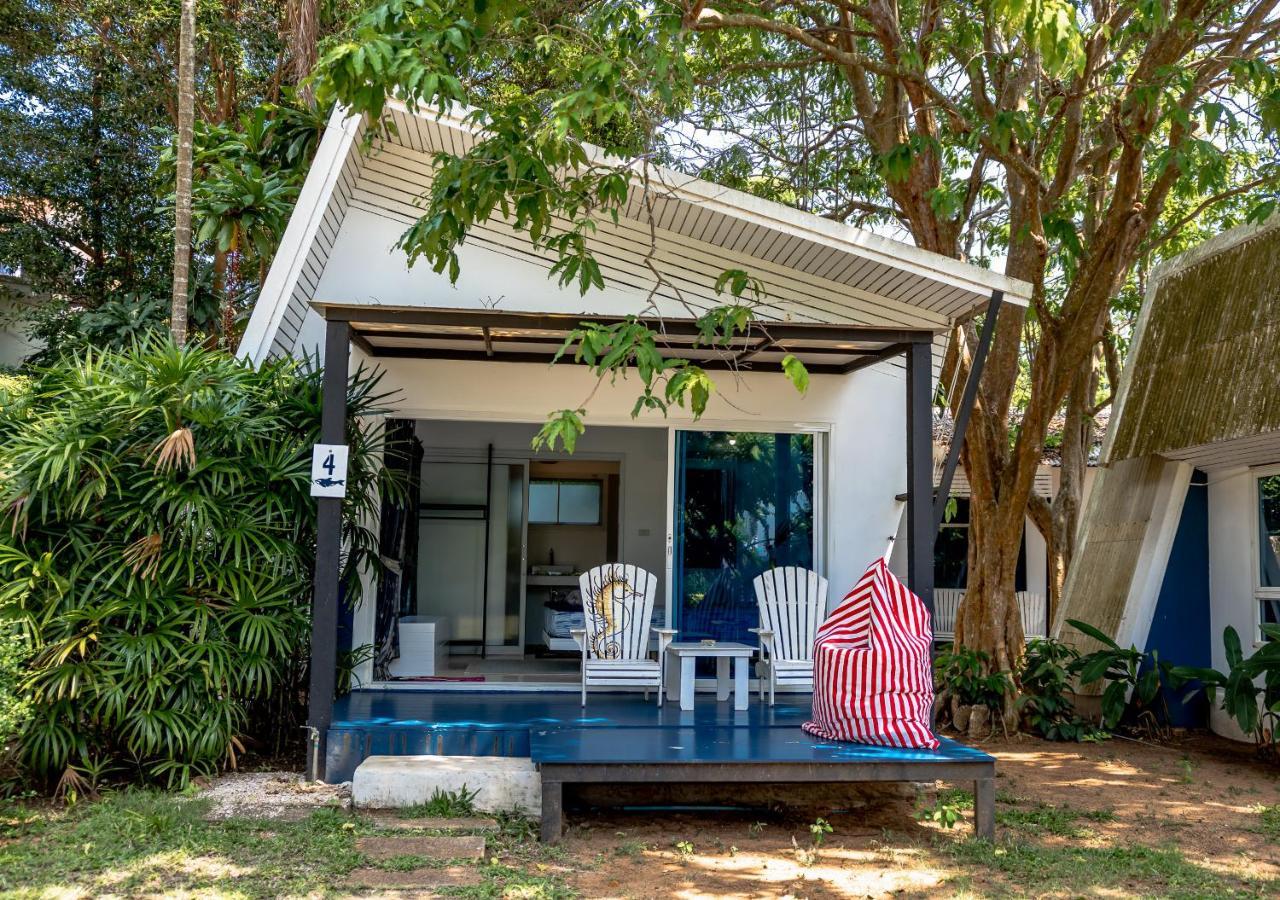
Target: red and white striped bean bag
[872, 676]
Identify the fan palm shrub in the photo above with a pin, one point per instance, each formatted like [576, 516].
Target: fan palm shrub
[156, 550]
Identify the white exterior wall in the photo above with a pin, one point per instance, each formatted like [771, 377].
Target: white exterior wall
[1037, 561]
[1233, 519]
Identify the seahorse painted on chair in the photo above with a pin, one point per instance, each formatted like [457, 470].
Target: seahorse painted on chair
[604, 643]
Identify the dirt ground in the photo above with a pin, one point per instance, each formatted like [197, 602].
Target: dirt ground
[1114, 819]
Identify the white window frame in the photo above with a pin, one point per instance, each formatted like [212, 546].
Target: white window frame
[1260, 593]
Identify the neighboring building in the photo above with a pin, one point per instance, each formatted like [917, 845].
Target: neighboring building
[487, 552]
[951, 558]
[16, 300]
[1181, 535]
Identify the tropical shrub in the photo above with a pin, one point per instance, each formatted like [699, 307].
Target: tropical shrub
[156, 550]
[1047, 703]
[1135, 681]
[14, 707]
[1254, 707]
[965, 674]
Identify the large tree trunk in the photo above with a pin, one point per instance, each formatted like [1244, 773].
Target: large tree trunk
[182, 195]
[1077, 438]
[304, 31]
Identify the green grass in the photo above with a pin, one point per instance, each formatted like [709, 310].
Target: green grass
[444, 805]
[142, 843]
[139, 842]
[1131, 871]
[1270, 816]
[1044, 818]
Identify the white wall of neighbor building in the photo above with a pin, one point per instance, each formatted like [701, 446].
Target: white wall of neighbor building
[1037, 561]
[1233, 521]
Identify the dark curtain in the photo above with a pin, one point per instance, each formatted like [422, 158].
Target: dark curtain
[398, 546]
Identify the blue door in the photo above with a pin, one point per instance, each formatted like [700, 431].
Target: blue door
[744, 503]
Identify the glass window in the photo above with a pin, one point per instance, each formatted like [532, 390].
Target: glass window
[564, 502]
[579, 503]
[744, 503]
[543, 498]
[1269, 531]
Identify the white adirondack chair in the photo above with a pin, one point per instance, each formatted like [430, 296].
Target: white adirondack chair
[793, 603]
[617, 605]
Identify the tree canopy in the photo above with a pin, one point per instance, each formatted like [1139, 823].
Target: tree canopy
[1074, 142]
[88, 112]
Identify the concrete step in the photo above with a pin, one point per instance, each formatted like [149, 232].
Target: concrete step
[469, 825]
[501, 783]
[417, 883]
[441, 849]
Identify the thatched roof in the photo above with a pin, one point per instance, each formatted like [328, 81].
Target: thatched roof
[1206, 357]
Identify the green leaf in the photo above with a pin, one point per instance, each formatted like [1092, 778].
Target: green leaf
[796, 372]
[1091, 631]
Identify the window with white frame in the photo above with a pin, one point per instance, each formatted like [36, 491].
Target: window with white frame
[1266, 571]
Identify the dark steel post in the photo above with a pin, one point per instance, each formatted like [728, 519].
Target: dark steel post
[324, 604]
[920, 527]
[966, 407]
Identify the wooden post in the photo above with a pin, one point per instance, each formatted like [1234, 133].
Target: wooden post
[920, 528]
[324, 603]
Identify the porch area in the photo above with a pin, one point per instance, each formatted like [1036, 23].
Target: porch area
[622, 738]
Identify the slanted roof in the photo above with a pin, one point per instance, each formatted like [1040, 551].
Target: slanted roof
[1200, 383]
[338, 250]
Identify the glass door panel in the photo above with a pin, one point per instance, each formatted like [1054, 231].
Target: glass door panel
[744, 503]
[472, 549]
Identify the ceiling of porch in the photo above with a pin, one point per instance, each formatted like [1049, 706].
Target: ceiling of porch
[419, 333]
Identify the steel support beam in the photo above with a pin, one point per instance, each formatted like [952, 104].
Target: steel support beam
[966, 407]
[780, 331]
[324, 602]
[920, 528]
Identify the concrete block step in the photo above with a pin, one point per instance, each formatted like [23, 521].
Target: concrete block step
[450, 847]
[501, 783]
[418, 883]
[469, 825]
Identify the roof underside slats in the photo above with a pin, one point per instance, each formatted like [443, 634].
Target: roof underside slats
[527, 337]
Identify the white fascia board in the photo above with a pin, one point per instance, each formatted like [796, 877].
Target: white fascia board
[796, 223]
[336, 145]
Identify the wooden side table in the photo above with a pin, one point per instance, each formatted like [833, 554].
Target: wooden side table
[686, 654]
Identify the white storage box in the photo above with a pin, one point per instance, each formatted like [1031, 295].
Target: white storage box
[422, 646]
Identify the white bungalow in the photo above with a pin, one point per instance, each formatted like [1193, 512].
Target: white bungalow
[487, 555]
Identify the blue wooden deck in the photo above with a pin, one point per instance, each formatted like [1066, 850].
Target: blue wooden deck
[657, 746]
[553, 727]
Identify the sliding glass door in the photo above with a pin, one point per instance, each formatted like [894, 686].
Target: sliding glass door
[471, 555]
[744, 502]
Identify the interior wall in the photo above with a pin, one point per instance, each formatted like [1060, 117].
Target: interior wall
[642, 453]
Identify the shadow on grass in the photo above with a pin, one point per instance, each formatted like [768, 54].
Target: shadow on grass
[139, 842]
[1022, 868]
